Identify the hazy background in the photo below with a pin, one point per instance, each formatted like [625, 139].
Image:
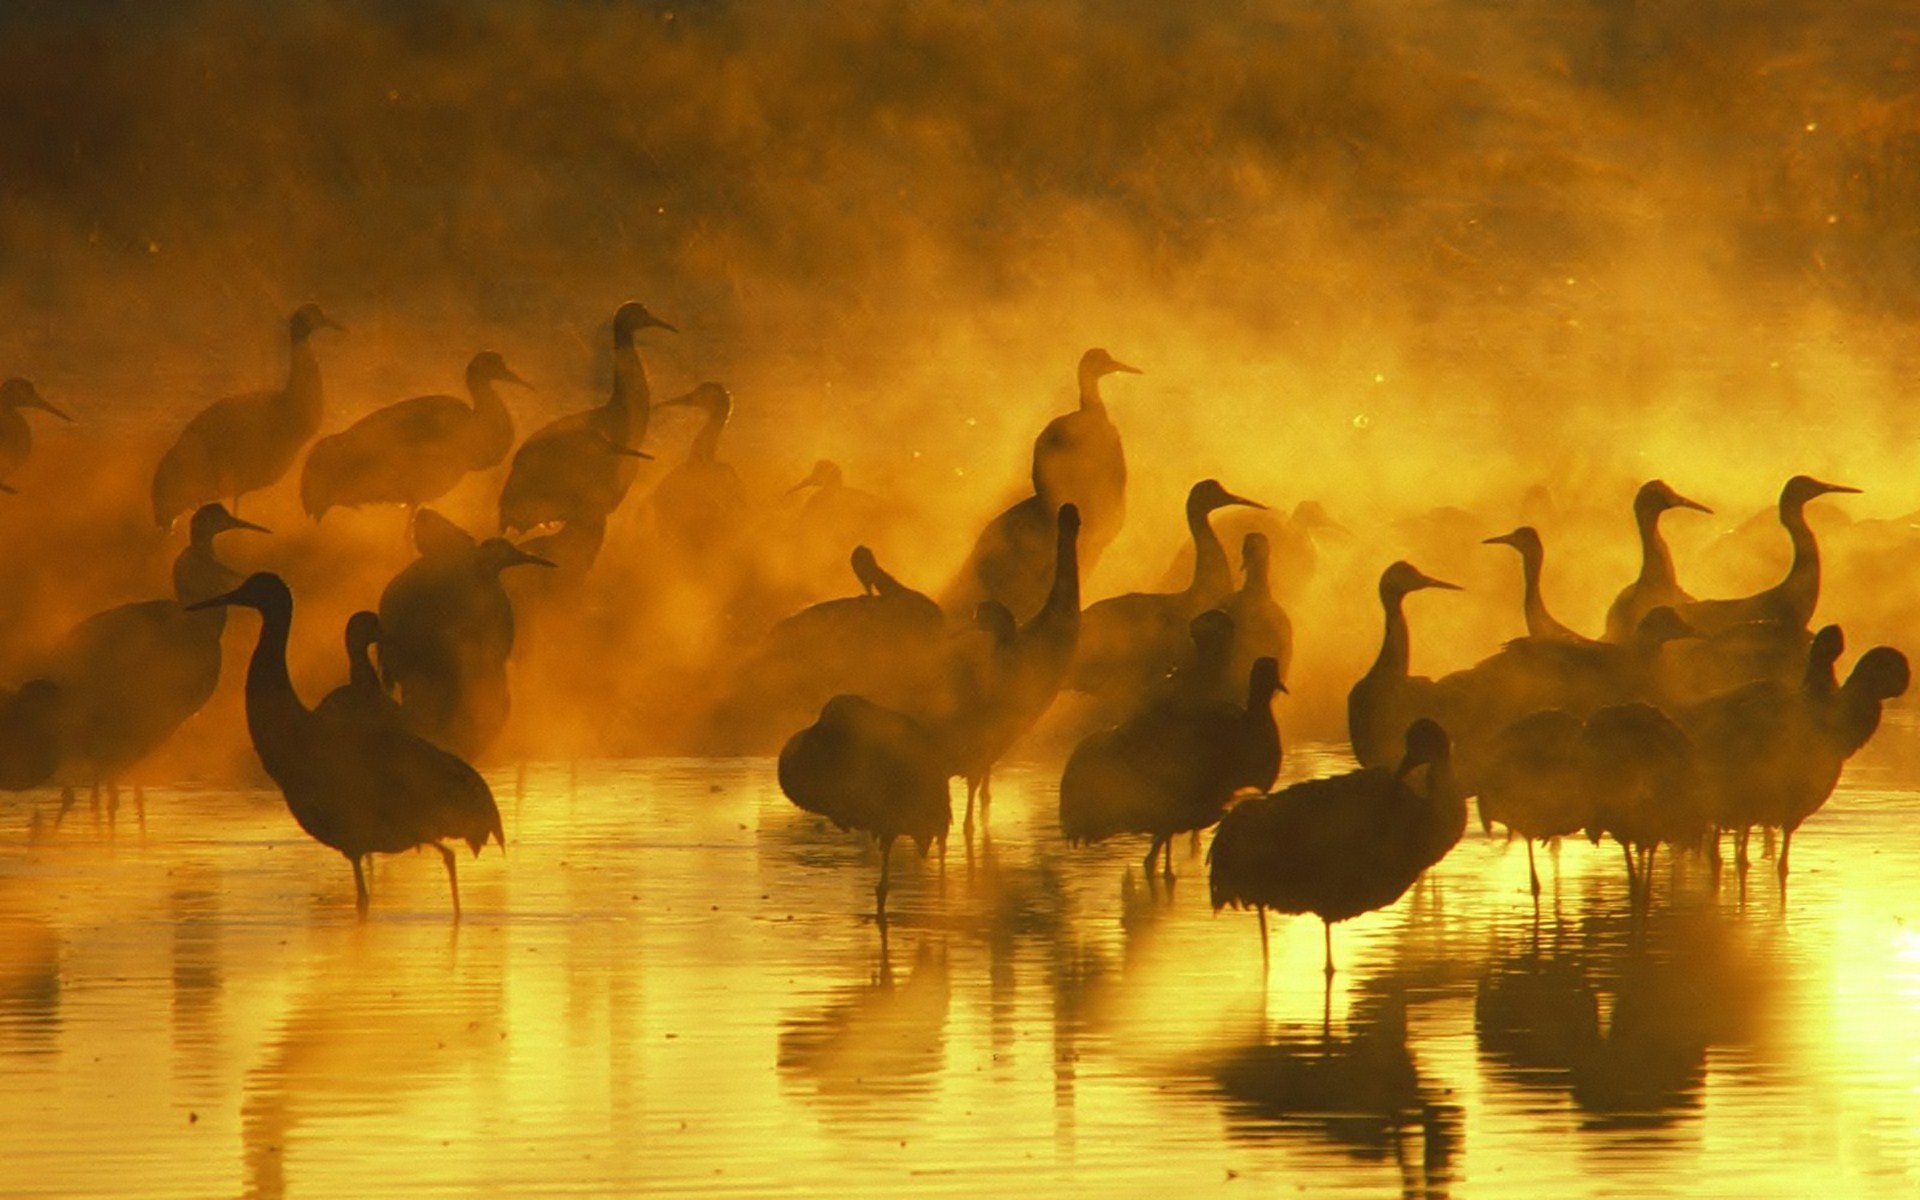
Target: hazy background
[1393, 256]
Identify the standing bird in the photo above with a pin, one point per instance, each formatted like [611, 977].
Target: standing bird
[1657, 585]
[447, 628]
[1127, 642]
[355, 786]
[1639, 772]
[244, 443]
[563, 471]
[1387, 698]
[1340, 846]
[1541, 625]
[413, 452]
[869, 768]
[1078, 459]
[362, 697]
[1788, 604]
[132, 674]
[16, 436]
[1173, 767]
[698, 505]
[1261, 628]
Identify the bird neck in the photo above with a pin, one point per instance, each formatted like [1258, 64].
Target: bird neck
[493, 424]
[628, 407]
[1212, 575]
[1396, 651]
[360, 673]
[1819, 682]
[1533, 606]
[1803, 576]
[276, 718]
[1257, 584]
[303, 392]
[197, 574]
[1855, 718]
[706, 443]
[1090, 400]
[1656, 561]
[1063, 598]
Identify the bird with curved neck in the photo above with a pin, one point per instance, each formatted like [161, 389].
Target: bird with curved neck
[1078, 459]
[698, 505]
[362, 697]
[1261, 628]
[358, 787]
[132, 674]
[1129, 641]
[16, 436]
[1533, 606]
[1789, 603]
[1387, 697]
[413, 452]
[562, 472]
[244, 443]
[1341, 845]
[1657, 584]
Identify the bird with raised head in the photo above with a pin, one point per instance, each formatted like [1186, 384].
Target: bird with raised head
[1656, 585]
[1384, 700]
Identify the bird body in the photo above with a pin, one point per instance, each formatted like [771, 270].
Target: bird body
[562, 472]
[1789, 603]
[16, 436]
[1657, 585]
[1261, 628]
[358, 787]
[1387, 698]
[415, 451]
[244, 443]
[1078, 459]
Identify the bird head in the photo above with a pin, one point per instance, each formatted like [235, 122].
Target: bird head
[308, 318]
[1802, 488]
[1097, 363]
[1656, 496]
[1525, 539]
[1068, 522]
[631, 318]
[710, 397]
[1264, 676]
[1312, 516]
[1427, 746]
[1403, 577]
[497, 554]
[1211, 631]
[261, 591]
[489, 367]
[363, 631]
[18, 393]
[866, 569]
[1828, 644]
[1208, 495]
[1881, 673]
[825, 474]
[211, 519]
[1255, 551]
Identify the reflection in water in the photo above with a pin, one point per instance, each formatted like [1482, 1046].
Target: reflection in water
[29, 985]
[874, 1048]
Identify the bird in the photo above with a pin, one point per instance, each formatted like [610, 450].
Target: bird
[132, 674]
[1078, 459]
[1295, 540]
[1174, 766]
[16, 436]
[1640, 773]
[413, 452]
[1011, 562]
[30, 734]
[363, 697]
[1657, 584]
[1261, 628]
[562, 472]
[1386, 698]
[1128, 641]
[1028, 674]
[447, 628]
[1789, 603]
[1340, 845]
[354, 786]
[698, 505]
[866, 767]
[244, 443]
[1541, 625]
[1535, 782]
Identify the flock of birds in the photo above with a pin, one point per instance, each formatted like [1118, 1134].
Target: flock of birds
[1686, 720]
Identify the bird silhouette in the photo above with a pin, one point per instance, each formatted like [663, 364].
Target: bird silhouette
[1261, 628]
[16, 436]
[1789, 603]
[1078, 459]
[413, 452]
[563, 472]
[244, 443]
[1173, 767]
[363, 697]
[699, 504]
[1541, 625]
[30, 734]
[132, 674]
[1657, 584]
[1641, 778]
[1535, 783]
[1128, 641]
[872, 769]
[447, 628]
[1342, 845]
[356, 786]
[1295, 540]
[1385, 699]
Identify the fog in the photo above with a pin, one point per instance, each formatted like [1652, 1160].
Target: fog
[1394, 257]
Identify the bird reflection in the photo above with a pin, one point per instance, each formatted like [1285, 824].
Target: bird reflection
[873, 1046]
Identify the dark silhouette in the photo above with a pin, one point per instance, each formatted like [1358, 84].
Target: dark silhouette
[1789, 603]
[413, 452]
[1261, 628]
[356, 786]
[1657, 585]
[244, 443]
[1541, 625]
[16, 436]
[563, 472]
[698, 505]
[363, 697]
[1387, 698]
[1638, 771]
[30, 734]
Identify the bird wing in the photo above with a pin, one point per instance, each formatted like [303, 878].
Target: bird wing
[400, 791]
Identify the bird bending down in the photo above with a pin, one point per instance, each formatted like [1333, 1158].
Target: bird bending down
[1339, 846]
[869, 768]
[413, 452]
[355, 786]
[562, 472]
[1657, 584]
[1387, 698]
[16, 436]
[244, 443]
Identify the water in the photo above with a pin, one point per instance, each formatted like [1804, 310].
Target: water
[670, 984]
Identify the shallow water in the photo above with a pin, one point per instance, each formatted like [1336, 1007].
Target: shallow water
[670, 983]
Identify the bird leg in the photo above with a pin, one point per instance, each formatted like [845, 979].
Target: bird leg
[1740, 858]
[1168, 845]
[359, 887]
[113, 801]
[966, 823]
[1266, 951]
[1766, 837]
[1786, 848]
[1153, 852]
[453, 881]
[1326, 930]
[880, 889]
[1533, 876]
[1633, 882]
[140, 806]
[67, 801]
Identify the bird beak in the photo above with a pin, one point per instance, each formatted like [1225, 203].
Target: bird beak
[40, 403]
[1505, 539]
[1428, 581]
[522, 558]
[1679, 501]
[220, 601]
[1837, 487]
[237, 523]
[1123, 368]
[628, 451]
[507, 375]
[327, 322]
[657, 323]
[1243, 502]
